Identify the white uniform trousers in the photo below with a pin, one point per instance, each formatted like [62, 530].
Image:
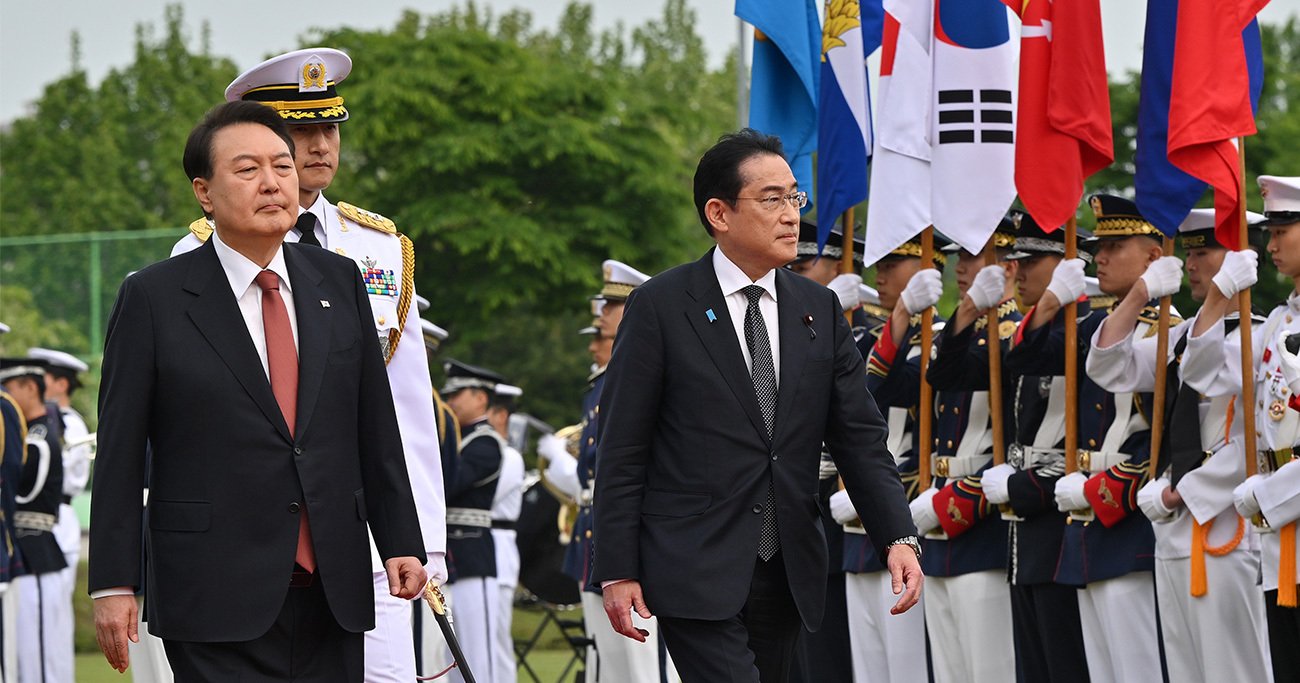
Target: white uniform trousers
[9, 646]
[887, 648]
[1222, 635]
[969, 618]
[390, 646]
[507, 553]
[1119, 629]
[474, 609]
[45, 650]
[148, 658]
[619, 659]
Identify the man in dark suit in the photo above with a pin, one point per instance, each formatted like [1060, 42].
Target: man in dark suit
[728, 375]
[249, 368]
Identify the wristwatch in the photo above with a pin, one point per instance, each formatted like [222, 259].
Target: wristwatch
[910, 541]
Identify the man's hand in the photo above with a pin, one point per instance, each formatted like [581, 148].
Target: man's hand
[406, 577]
[1243, 497]
[1069, 492]
[620, 599]
[994, 483]
[987, 288]
[923, 290]
[905, 573]
[846, 287]
[115, 624]
[1163, 277]
[1239, 271]
[923, 514]
[842, 509]
[1067, 283]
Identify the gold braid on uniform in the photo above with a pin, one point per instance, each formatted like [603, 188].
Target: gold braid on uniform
[22, 432]
[404, 299]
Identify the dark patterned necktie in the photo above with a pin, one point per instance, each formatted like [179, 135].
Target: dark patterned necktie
[763, 372]
[306, 227]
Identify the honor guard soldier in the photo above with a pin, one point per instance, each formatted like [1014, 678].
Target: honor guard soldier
[1044, 613]
[1211, 614]
[302, 86]
[968, 608]
[13, 453]
[1211, 365]
[506, 505]
[44, 631]
[471, 548]
[1111, 558]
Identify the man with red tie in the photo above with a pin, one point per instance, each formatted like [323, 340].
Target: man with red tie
[248, 369]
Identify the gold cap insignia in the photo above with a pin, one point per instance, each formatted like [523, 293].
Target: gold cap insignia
[313, 76]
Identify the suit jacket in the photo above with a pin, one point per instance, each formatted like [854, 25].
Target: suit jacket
[684, 462]
[226, 478]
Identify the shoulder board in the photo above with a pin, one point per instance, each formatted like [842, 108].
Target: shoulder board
[876, 311]
[1150, 315]
[365, 218]
[201, 229]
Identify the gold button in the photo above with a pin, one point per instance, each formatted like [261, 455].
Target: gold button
[1098, 406]
[941, 407]
[936, 443]
[588, 533]
[597, 409]
[949, 443]
[381, 320]
[340, 252]
[980, 342]
[591, 440]
[1092, 442]
[956, 410]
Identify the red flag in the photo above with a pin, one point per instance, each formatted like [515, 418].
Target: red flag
[1209, 101]
[1063, 130]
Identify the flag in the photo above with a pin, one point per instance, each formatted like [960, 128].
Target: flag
[1210, 99]
[783, 87]
[973, 119]
[900, 163]
[850, 32]
[1064, 126]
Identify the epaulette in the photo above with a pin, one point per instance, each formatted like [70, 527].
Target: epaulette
[365, 218]
[1151, 316]
[876, 311]
[201, 229]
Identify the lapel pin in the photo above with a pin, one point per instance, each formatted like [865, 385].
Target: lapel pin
[808, 320]
[324, 303]
[710, 315]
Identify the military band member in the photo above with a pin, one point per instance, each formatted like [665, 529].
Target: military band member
[1045, 614]
[968, 609]
[44, 632]
[471, 548]
[506, 505]
[1211, 365]
[301, 87]
[1212, 616]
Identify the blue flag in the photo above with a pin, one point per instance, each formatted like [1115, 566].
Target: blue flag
[785, 78]
[1165, 193]
[851, 32]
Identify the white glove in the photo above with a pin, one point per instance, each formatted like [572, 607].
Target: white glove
[1290, 363]
[437, 567]
[923, 514]
[845, 286]
[1067, 281]
[842, 510]
[988, 287]
[1239, 271]
[923, 290]
[562, 470]
[994, 483]
[1069, 492]
[1243, 497]
[1151, 500]
[553, 448]
[1164, 276]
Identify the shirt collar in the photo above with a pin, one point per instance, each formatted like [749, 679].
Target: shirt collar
[1293, 301]
[318, 208]
[240, 271]
[732, 279]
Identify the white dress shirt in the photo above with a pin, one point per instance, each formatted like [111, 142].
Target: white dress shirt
[241, 273]
[321, 209]
[733, 281]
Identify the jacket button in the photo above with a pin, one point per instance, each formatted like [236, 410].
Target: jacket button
[774, 457]
[297, 450]
[293, 507]
[758, 509]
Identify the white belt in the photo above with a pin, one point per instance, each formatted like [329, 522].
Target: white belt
[1029, 457]
[469, 517]
[38, 521]
[958, 467]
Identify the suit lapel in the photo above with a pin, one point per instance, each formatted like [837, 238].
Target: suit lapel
[218, 318]
[719, 337]
[314, 323]
[795, 337]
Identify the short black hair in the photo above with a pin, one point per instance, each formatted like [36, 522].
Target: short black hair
[68, 374]
[198, 148]
[718, 173]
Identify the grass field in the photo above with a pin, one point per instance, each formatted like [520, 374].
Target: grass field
[548, 660]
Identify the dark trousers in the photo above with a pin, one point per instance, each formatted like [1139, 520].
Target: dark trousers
[1283, 638]
[1048, 634]
[304, 645]
[824, 656]
[755, 646]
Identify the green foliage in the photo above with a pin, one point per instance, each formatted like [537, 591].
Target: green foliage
[29, 327]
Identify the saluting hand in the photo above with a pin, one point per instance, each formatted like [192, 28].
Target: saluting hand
[906, 577]
[620, 599]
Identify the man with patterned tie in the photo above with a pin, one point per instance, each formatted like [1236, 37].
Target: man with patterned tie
[259, 504]
[727, 377]
[301, 86]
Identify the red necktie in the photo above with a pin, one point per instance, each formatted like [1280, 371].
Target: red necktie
[282, 364]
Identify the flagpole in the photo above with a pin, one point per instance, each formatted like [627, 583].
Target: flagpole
[846, 258]
[1162, 375]
[925, 412]
[742, 94]
[1071, 360]
[995, 366]
[1247, 360]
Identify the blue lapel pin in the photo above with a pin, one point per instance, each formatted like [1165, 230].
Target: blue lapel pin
[711, 315]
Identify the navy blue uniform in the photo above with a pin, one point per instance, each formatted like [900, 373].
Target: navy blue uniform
[470, 550]
[578, 556]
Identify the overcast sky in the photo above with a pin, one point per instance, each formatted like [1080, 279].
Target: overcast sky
[34, 34]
